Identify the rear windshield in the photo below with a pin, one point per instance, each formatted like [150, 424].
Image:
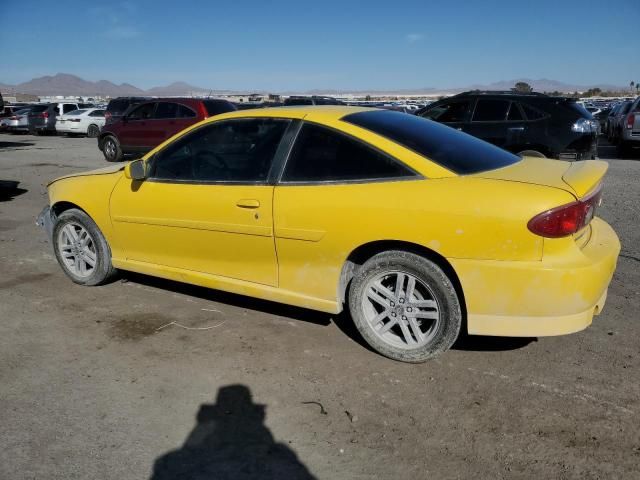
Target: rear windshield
[582, 110]
[39, 108]
[446, 146]
[216, 107]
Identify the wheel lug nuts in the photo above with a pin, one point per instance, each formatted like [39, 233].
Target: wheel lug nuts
[393, 314]
[409, 309]
[402, 300]
[393, 304]
[403, 317]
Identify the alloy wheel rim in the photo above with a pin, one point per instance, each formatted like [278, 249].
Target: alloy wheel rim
[110, 148]
[401, 310]
[77, 250]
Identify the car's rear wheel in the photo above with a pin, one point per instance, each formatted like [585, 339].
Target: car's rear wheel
[93, 131]
[405, 306]
[81, 249]
[111, 149]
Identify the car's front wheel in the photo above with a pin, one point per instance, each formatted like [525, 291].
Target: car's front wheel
[405, 306]
[111, 149]
[81, 249]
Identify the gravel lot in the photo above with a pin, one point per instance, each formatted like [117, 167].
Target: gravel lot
[99, 383]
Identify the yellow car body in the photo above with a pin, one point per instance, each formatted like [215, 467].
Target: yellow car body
[297, 243]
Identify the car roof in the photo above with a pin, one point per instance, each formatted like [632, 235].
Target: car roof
[320, 113]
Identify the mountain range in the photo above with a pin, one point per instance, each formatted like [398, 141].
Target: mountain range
[67, 84]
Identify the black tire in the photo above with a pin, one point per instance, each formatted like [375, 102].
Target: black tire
[531, 153]
[103, 270]
[111, 149]
[445, 331]
[93, 131]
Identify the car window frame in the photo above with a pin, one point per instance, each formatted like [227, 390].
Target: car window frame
[416, 175]
[544, 114]
[284, 147]
[471, 107]
[140, 105]
[475, 107]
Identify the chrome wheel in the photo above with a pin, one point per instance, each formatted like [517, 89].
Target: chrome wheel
[77, 250]
[110, 148]
[401, 310]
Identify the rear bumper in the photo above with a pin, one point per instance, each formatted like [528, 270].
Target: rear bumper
[555, 296]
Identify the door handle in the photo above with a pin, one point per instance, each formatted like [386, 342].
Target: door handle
[248, 203]
[516, 129]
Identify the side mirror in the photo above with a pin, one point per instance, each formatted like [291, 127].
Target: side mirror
[136, 170]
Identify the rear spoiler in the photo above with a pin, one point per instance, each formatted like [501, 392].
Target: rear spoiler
[585, 176]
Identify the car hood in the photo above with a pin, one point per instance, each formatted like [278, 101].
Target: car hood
[577, 178]
[99, 171]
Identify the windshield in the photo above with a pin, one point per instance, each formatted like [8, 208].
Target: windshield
[446, 146]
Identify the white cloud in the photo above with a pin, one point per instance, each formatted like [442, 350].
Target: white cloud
[413, 37]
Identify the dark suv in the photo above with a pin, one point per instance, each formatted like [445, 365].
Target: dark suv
[531, 124]
[148, 124]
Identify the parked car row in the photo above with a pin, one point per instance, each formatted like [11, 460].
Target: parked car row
[622, 126]
[47, 118]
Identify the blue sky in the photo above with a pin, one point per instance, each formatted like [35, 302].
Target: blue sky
[300, 45]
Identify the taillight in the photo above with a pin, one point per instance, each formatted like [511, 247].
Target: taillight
[630, 120]
[45, 114]
[203, 110]
[107, 116]
[566, 219]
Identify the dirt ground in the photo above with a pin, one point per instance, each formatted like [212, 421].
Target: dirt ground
[145, 378]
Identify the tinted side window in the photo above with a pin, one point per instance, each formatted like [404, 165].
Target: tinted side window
[449, 112]
[298, 101]
[166, 110]
[118, 106]
[67, 107]
[515, 113]
[321, 154]
[142, 112]
[185, 112]
[488, 110]
[532, 113]
[215, 107]
[231, 151]
[97, 113]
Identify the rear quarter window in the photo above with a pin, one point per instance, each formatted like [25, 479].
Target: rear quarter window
[216, 107]
[446, 146]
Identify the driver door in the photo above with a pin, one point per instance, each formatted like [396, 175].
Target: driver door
[207, 205]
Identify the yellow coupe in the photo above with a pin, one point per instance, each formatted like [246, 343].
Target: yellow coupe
[420, 229]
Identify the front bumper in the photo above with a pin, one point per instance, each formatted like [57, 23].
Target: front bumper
[555, 296]
[46, 219]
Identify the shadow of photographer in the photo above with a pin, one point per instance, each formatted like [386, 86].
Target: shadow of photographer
[230, 441]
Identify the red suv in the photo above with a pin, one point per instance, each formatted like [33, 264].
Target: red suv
[150, 123]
